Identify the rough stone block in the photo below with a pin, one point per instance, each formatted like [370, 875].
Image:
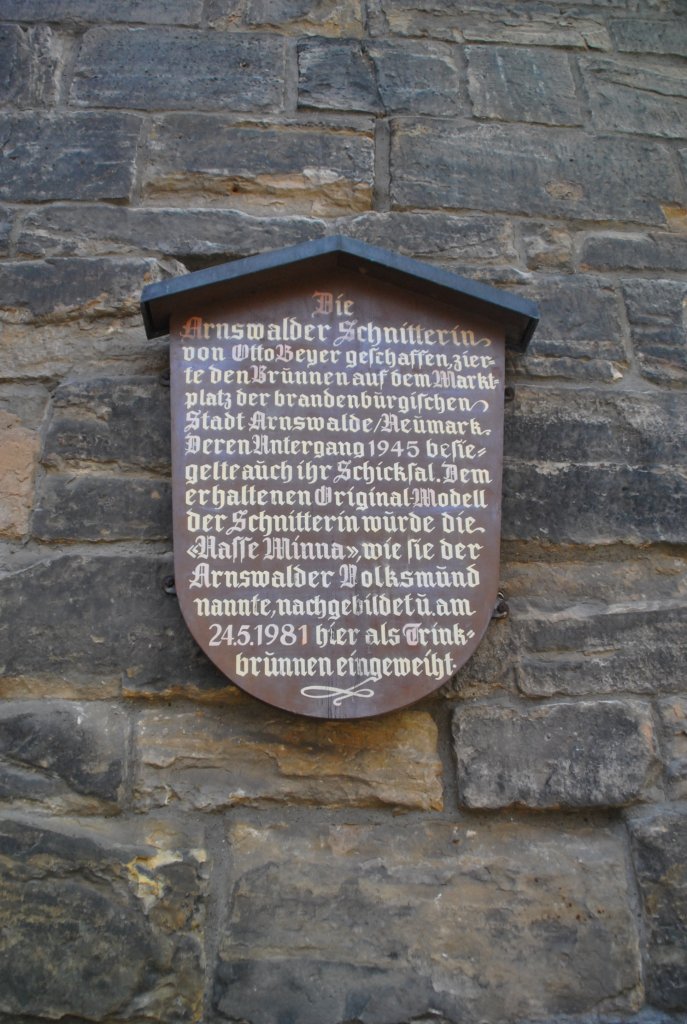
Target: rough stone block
[673, 712]
[532, 171]
[70, 289]
[583, 504]
[567, 754]
[644, 35]
[580, 331]
[90, 347]
[28, 66]
[6, 222]
[633, 251]
[643, 100]
[581, 628]
[101, 920]
[659, 840]
[437, 236]
[19, 448]
[110, 420]
[151, 12]
[149, 69]
[552, 25]
[657, 312]
[61, 755]
[208, 759]
[91, 621]
[377, 77]
[603, 650]
[520, 84]
[471, 923]
[189, 235]
[319, 17]
[548, 247]
[103, 508]
[521, 23]
[277, 170]
[68, 156]
[627, 428]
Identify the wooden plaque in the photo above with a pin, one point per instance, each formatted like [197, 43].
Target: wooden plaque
[337, 461]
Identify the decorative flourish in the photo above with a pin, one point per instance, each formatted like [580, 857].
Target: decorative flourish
[323, 692]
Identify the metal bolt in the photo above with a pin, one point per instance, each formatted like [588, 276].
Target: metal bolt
[501, 609]
[168, 585]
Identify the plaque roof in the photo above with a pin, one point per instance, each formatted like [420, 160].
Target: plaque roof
[519, 316]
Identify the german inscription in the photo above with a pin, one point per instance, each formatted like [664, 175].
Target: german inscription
[337, 491]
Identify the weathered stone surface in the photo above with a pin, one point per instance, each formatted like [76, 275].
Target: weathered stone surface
[657, 312]
[70, 289]
[152, 12]
[208, 759]
[633, 251]
[548, 247]
[6, 222]
[659, 839]
[521, 23]
[308, 171]
[28, 66]
[27, 402]
[87, 230]
[580, 332]
[105, 508]
[100, 921]
[321, 17]
[644, 100]
[673, 713]
[61, 755]
[583, 628]
[50, 351]
[143, 69]
[68, 156]
[549, 27]
[588, 651]
[556, 424]
[436, 236]
[333, 922]
[522, 85]
[594, 504]
[643, 35]
[531, 170]
[566, 754]
[19, 448]
[110, 420]
[377, 77]
[99, 619]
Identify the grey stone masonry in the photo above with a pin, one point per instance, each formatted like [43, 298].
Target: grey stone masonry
[178, 68]
[201, 159]
[660, 854]
[146, 12]
[564, 754]
[68, 156]
[378, 77]
[68, 755]
[511, 849]
[510, 168]
[522, 85]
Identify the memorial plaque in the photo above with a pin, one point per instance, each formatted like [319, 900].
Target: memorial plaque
[337, 451]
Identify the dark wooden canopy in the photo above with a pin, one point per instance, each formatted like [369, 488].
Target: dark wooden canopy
[517, 315]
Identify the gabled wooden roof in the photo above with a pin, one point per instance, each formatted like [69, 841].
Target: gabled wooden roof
[519, 316]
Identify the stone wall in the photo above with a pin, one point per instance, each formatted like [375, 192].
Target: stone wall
[511, 850]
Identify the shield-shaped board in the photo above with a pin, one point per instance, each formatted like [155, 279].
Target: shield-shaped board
[337, 462]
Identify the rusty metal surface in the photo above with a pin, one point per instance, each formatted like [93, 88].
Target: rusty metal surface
[337, 450]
